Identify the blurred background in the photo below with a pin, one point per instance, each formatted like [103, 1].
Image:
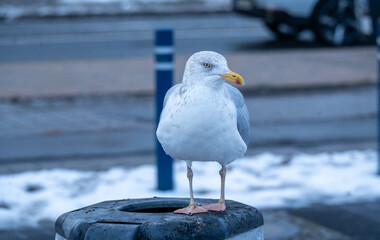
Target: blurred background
[77, 109]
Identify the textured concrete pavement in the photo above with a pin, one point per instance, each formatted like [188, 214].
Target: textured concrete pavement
[358, 220]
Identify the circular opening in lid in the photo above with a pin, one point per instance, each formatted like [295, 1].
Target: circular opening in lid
[154, 210]
[161, 206]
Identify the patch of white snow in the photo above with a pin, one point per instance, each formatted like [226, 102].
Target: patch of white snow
[263, 181]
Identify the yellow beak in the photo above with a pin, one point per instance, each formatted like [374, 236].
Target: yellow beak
[233, 77]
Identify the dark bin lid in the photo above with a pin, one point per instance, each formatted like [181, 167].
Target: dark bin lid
[153, 218]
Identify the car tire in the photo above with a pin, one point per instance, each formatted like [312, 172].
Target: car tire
[334, 22]
[283, 31]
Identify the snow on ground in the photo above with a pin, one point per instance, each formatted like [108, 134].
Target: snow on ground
[264, 181]
[42, 8]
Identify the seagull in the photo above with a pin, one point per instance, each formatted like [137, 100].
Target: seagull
[205, 119]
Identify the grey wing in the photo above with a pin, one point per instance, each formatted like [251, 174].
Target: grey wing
[170, 92]
[243, 125]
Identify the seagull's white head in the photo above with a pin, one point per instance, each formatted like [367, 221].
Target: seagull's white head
[209, 67]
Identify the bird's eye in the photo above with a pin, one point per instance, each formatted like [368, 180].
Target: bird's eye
[206, 65]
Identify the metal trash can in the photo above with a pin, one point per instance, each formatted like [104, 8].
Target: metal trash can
[153, 218]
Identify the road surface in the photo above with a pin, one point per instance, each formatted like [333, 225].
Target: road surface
[59, 39]
[121, 129]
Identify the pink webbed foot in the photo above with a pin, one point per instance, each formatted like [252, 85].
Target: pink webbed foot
[190, 210]
[216, 207]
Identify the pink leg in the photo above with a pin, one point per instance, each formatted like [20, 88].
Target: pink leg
[221, 204]
[193, 208]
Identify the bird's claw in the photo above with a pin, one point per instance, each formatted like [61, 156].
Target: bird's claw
[191, 210]
[216, 207]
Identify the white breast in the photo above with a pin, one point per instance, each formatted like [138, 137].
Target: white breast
[200, 125]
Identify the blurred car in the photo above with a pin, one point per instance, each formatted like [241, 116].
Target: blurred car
[335, 22]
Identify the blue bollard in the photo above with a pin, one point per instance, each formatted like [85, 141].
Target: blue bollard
[378, 93]
[164, 81]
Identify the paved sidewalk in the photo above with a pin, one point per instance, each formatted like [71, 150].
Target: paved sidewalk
[279, 224]
[304, 68]
[357, 220]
